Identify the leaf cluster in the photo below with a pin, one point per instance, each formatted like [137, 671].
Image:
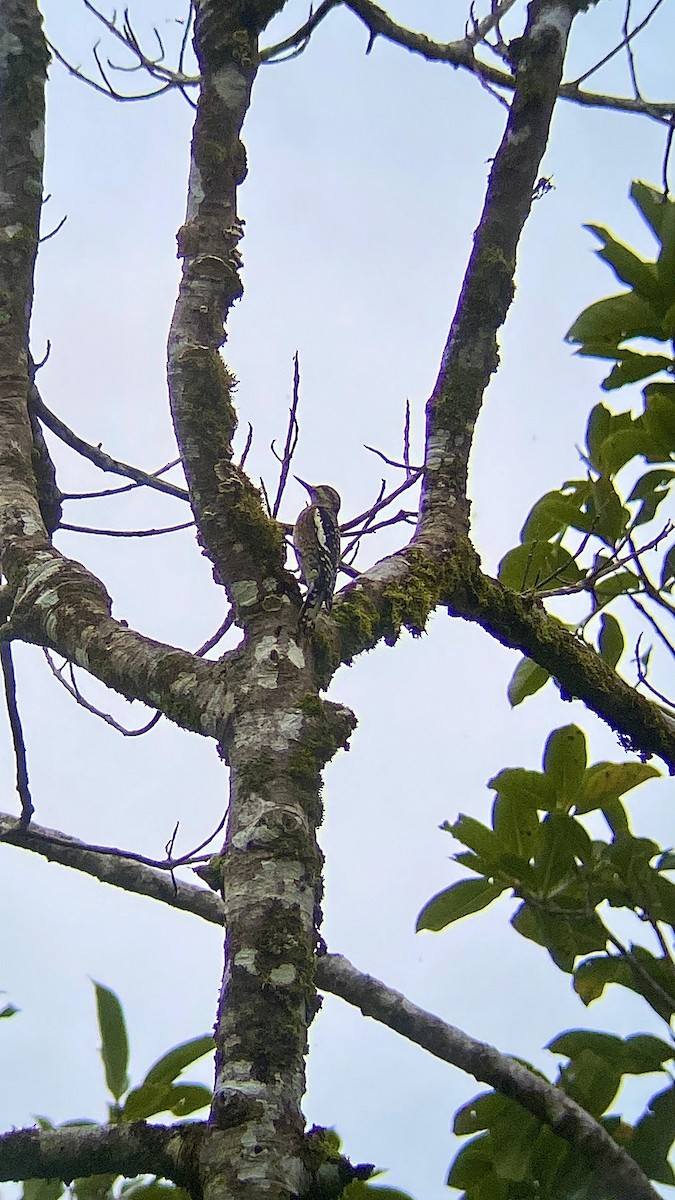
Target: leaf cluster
[160, 1091]
[538, 849]
[585, 537]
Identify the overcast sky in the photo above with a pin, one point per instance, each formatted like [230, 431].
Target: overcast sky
[366, 180]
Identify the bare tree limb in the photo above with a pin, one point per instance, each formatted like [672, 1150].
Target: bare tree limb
[461, 54]
[117, 870]
[470, 356]
[22, 785]
[128, 1149]
[98, 456]
[568, 1120]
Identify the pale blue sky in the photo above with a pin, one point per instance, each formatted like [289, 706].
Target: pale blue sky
[366, 178]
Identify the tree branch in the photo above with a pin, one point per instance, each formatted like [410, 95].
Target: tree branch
[460, 54]
[96, 455]
[403, 589]
[470, 356]
[116, 870]
[129, 1149]
[244, 544]
[550, 1104]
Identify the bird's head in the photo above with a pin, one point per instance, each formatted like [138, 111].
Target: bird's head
[322, 494]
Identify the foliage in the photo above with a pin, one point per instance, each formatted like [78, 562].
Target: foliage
[560, 840]
[160, 1091]
[606, 564]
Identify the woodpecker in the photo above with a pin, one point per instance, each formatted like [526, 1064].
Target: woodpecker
[316, 538]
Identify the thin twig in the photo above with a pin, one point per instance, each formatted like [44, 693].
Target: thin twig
[247, 447]
[629, 51]
[292, 435]
[98, 456]
[216, 637]
[607, 57]
[483, 27]
[386, 500]
[75, 692]
[654, 624]
[127, 533]
[300, 39]
[18, 741]
[53, 232]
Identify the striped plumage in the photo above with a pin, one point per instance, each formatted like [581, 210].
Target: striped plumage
[316, 538]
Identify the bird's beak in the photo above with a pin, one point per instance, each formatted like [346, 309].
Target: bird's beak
[307, 486]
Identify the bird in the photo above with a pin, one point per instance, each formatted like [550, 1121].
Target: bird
[316, 538]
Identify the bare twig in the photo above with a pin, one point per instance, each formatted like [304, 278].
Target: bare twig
[654, 624]
[406, 439]
[626, 39]
[53, 232]
[247, 447]
[385, 501]
[167, 864]
[127, 533]
[292, 434]
[481, 28]
[75, 692]
[124, 872]
[117, 491]
[108, 91]
[298, 41]
[216, 637]
[18, 741]
[460, 54]
[98, 456]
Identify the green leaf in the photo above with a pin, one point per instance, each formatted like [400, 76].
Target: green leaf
[94, 1187]
[653, 1137]
[623, 446]
[611, 586]
[537, 566]
[186, 1098]
[592, 976]
[644, 1053]
[609, 321]
[530, 787]
[651, 203]
[668, 569]
[472, 1164]
[592, 1081]
[359, 1189]
[608, 517]
[169, 1066]
[632, 367]
[459, 900]
[480, 1113]
[516, 825]
[564, 939]
[551, 515]
[565, 763]
[616, 816]
[659, 417]
[610, 641]
[563, 840]
[627, 266]
[114, 1043]
[43, 1189]
[476, 836]
[605, 781]
[651, 490]
[574, 1041]
[529, 678]
[8, 1011]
